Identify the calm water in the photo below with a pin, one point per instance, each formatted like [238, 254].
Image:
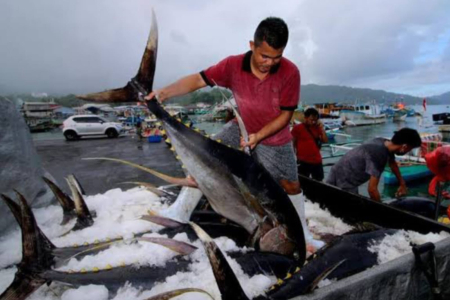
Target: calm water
[361, 133]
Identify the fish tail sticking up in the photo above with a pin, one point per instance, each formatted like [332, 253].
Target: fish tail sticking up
[228, 284]
[64, 200]
[78, 184]
[84, 217]
[16, 211]
[145, 74]
[36, 258]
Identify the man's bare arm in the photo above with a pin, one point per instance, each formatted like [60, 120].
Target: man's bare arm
[373, 189]
[181, 87]
[270, 129]
[402, 190]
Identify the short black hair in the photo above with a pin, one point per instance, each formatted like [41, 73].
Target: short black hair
[407, 136]
[311, 112]
[272, 30]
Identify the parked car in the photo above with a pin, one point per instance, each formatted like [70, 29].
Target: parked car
[90, 125]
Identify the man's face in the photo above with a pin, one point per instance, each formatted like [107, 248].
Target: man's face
[311, 120]
[403, 149]
[265, 57]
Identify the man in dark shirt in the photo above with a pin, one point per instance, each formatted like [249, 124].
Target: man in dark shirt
[367, 163]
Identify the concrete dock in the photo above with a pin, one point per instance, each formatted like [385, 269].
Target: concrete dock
[62, 158]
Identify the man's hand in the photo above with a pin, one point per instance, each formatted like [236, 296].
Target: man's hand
[253, 140]
[401, 191]
[319, 124]
[159, 94]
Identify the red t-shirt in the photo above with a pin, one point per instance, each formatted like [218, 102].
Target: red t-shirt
[307, 150]
[259, 101]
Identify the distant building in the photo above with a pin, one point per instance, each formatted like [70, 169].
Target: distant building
[38, 115]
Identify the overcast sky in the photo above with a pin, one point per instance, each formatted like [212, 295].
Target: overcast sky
[62, 46]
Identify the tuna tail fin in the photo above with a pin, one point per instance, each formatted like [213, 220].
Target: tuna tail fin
[64, 200]
[35, 257]
[227, 281]
[16, 211]
[144, 77]
[125, 94]
[322, 276]
[176, 293]
[84, 217]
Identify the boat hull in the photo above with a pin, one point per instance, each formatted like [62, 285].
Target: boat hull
[360, 119]
[354, 208]
[409, 173]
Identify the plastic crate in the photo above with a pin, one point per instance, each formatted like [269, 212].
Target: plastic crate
[154, 139]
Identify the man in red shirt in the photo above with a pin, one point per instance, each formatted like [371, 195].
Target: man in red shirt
[266, 87]
[308, 138]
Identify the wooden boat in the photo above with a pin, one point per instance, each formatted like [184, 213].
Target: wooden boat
[354, 208]
[398, 117]
[367, 114]
[410, 172]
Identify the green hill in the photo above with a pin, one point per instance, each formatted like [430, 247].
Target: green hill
[313, 93]
[443, 98]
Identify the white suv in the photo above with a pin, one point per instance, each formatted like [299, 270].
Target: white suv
[81, 125]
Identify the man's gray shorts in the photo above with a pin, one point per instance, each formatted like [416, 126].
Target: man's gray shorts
[278, 160]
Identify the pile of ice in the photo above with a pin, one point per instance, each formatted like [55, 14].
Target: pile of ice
[118, 215]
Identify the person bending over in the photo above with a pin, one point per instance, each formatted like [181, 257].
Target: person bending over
[367, 162]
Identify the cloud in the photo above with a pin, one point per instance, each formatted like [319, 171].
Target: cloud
[85, 46]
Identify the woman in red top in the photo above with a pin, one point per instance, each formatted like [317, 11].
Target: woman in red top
[308, 138]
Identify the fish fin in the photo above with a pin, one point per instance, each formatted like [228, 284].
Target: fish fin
[364, 227]
[142, 83]
[174, 245]
[148, 186]
[176, 293]
[64, 200]
[16, 211]
[163, 221]
[84, 217]
[146, 72]
[124, 94]
[78, 184]
[227, 281]
[35, 257]
[169, 179]
[94, 248]
[323, 276]
[152, 213]
[22, 286]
